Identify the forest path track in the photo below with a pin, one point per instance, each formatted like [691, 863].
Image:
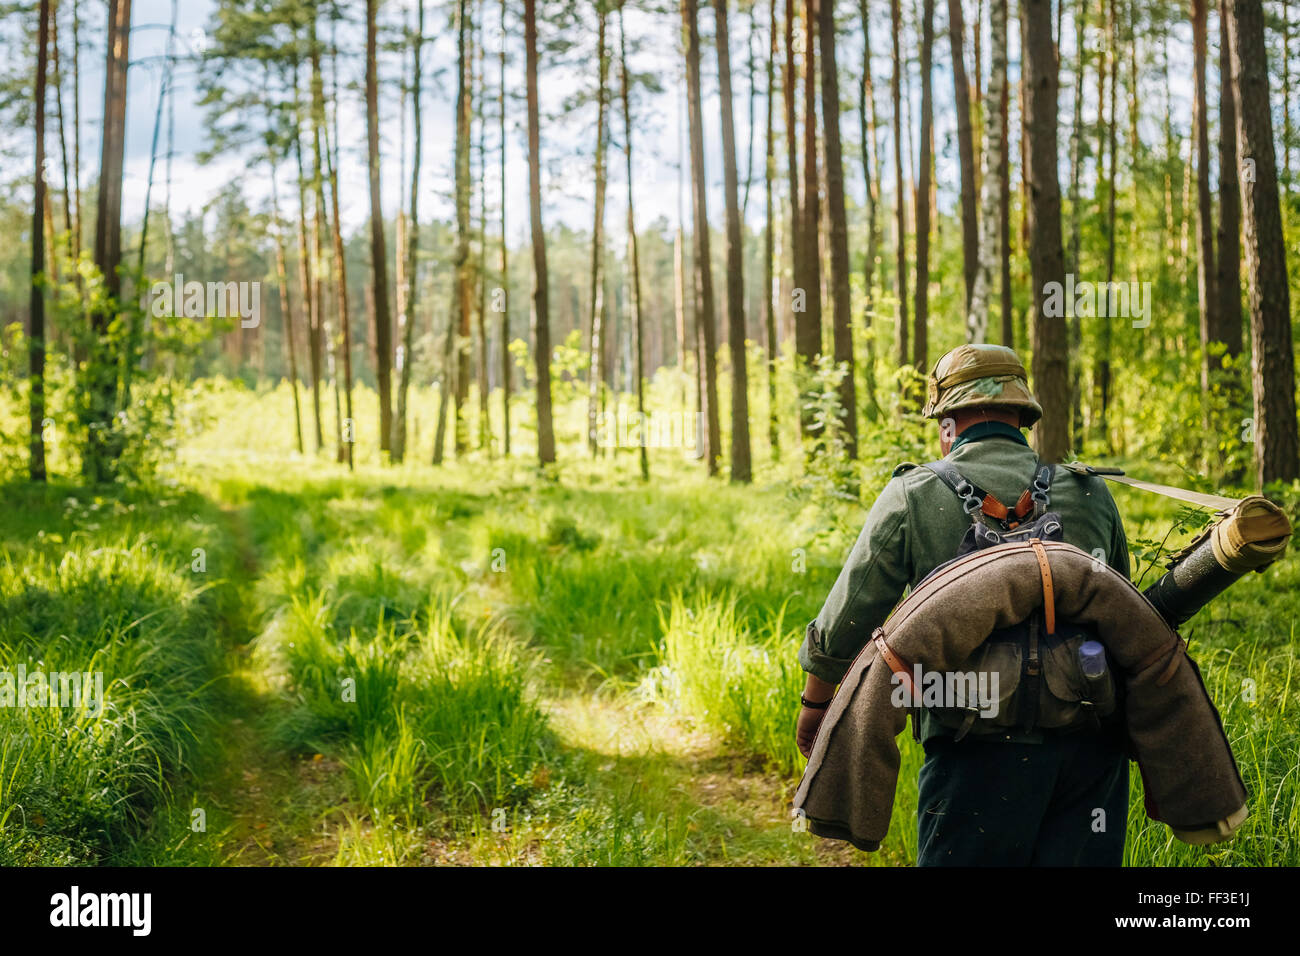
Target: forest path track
[273, 804]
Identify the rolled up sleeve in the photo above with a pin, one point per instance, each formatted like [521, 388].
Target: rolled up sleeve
[869, 586]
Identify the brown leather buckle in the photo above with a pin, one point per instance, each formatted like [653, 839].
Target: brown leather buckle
[896, 663]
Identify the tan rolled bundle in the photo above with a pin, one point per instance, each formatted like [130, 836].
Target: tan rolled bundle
[1252, 535]
[1247, 537]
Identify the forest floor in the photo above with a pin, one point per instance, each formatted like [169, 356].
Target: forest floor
[624, 776]
[482, 665]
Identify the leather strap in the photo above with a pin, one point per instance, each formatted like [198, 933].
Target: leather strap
[1033, 668]
[1049, 597]
[993, 508]
[1175, 659]
[988, 503]
[896, 663]
[1154, 657]
[1024, 504]
[1212, 502]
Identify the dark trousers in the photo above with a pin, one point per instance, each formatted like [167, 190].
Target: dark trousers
[994, 803]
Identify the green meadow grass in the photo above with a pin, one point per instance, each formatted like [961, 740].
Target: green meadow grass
[484, 664]
[106, 586]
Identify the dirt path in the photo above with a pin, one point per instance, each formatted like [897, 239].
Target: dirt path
[739, 813]
[272, 808]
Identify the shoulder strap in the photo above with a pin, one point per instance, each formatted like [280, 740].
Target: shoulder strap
[975, 500]
[972, 496]
[1198, 498]
[1041, 489]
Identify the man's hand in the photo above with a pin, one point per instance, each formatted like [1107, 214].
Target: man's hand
[810, 718]
[806, 733]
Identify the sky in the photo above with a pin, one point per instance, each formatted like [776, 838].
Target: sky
[568, 178]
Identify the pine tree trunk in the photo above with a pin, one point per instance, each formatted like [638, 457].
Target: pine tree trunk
[704, 316]
[965, 147]
[789, 80]
[1076, 220]
[1171, 150]
[808, 322]
[36, 330]
[771, 294]
[1134, 142]
[977, 318]
[282, 277]
[1004, 215]
[407, 320]
[347, 432]
[679, 300]
[480, 310]
[1024, 145]
[837, 223]
[305, 271]
[398, 447]
[504, 319]
[741, 465]
[99, 384]
[977, 93]
[541, 311]
[455, 355]
[1076, 134]
[900, 191]
[325, 334]
[638, 329]
[379, 260]
[57, 73]
[447, 386]
[595, 332]
[1228, 277]
[1051, 360]
[1277, 452]
[871, 177]
[1286, 90]
[920, 335]
[1095, 416]
[1207, 301]
[76, 126]
[1103, 372]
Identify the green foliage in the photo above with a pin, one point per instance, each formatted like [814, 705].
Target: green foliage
[828, 463]
[501, 669]
[102, 587]
[714, 669]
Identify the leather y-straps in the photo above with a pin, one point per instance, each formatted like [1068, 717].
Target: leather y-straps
[975, 500]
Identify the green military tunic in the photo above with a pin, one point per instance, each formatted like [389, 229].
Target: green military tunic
[917, 523]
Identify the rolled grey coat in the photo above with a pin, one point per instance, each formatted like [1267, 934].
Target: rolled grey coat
[1175, 734]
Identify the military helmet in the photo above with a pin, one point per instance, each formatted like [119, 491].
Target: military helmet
[981, 376]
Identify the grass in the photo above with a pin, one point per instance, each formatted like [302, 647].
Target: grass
[481, 664]
[105, 587]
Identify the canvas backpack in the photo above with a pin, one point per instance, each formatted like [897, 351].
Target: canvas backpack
[1040, 680]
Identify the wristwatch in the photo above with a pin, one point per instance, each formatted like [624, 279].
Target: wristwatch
[814, 705]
